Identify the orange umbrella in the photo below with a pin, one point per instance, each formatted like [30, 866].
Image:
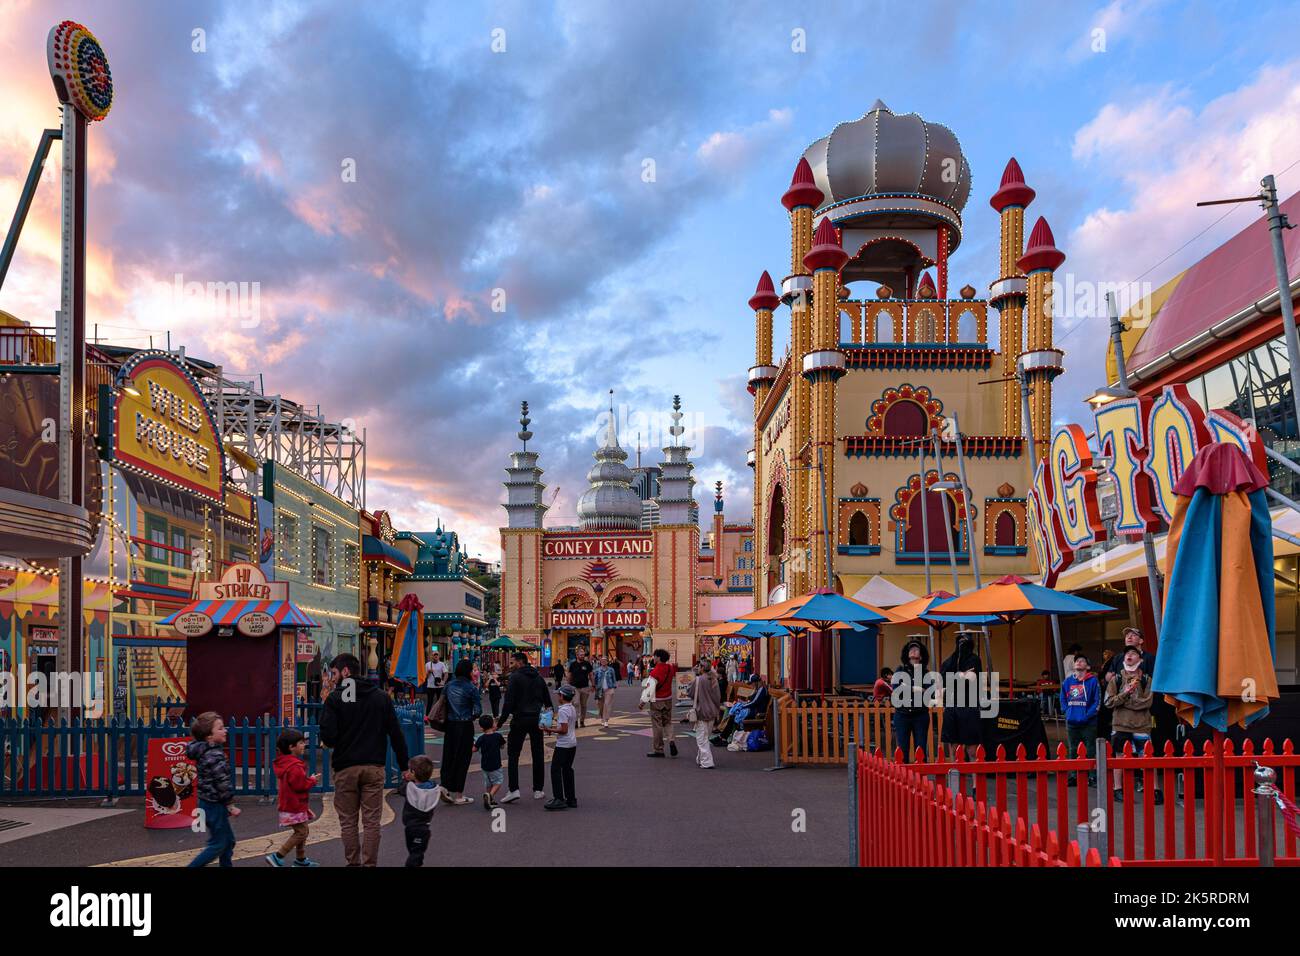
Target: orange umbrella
[1009, 599]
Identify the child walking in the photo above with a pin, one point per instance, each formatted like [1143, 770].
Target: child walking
[489, 746]
[216, 796]
[565, 727]
[421, 800]
[295, 788]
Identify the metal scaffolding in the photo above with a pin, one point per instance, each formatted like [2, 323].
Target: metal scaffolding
[275, 428]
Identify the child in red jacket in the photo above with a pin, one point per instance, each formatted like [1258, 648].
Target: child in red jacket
[295, 787]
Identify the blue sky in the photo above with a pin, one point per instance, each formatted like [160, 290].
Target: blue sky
[522, 171]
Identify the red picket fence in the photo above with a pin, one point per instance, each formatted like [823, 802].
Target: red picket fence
[906, 818]
[1207, 817]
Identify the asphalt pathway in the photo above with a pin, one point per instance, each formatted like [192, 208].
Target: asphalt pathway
[633, 811]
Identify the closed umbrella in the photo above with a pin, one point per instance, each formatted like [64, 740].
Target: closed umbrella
[1216, 657]
[407, 661]
[1008, 599]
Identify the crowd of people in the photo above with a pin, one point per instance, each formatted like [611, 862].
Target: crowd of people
[1113, 703]
[359, 724]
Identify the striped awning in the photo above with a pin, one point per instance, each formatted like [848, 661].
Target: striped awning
[226, 613]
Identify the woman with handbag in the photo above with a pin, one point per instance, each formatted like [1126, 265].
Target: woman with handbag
[464, 705]
[706, 705]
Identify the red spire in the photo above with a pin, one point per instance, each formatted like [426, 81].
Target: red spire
[925, 288]
[826, 251]
[803, 189]
[1013, 191]
[764, 296]
[1041, 252]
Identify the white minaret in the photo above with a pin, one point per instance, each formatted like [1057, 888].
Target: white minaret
[676, 486]
[524, 485]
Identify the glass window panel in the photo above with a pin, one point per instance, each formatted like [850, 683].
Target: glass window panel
[1219, 389]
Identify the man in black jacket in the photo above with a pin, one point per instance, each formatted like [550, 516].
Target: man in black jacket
[526, 697]
[358, 722]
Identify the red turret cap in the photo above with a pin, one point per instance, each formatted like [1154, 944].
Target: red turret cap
[925, 289]
[764, 296]
[826, 251]
[1013, 191]
[1042, 252]
[803, 189]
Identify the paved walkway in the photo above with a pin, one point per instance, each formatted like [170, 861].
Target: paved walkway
[633, 811]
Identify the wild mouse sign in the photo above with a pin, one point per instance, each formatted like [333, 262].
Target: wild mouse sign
[1149, 442]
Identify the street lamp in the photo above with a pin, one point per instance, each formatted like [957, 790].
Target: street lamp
[1109, 393]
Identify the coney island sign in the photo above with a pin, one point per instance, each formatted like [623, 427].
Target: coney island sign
[1149, 441]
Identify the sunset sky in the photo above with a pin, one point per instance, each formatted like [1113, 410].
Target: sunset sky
[522, 171]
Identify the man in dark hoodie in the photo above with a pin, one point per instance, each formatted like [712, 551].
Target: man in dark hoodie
[357, 722]
[911, 716]
[526, 697]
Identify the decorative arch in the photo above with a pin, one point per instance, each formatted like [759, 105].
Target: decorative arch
[919, 395]
[858, 528]
[906, 513]
[618, 596]
[573, 590]
[1005, 527]
[923, 261]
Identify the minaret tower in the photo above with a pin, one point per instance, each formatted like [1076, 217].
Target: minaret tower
[822, 367]
[764, 301]
[1007, 294]
[676, 484]
[524, 485]
[1041, 361]
[717, 529]
[801, 199]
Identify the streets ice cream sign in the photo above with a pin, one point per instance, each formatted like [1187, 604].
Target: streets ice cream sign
[599, 546]
[159, 425]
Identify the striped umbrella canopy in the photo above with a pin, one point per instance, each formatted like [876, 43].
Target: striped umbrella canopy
[1216, 657]
[226, 613]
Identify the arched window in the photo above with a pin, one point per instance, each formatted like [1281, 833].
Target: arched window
[967, 329]
[859, 529]
[884, 327]
[749, 544]
[914, 540]
[735, 580]
[905, 418]
[1004, 532]
[749, 580]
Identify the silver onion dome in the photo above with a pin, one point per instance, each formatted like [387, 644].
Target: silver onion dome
[884, 153]
[610, 503]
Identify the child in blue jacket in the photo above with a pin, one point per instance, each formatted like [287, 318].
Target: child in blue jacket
[1080, 700]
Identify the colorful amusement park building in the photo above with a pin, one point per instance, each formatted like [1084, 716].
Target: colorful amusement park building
[611, 584]
[886, 384]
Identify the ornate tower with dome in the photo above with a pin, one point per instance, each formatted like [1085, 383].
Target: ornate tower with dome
[608, 584]
[890, 387]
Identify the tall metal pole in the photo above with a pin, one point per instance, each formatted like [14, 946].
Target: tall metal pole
[1148, 540]
[925, 525]
[71, 343]
[947, 519]
[1276, 223]
[966, 496]
[1033, 464]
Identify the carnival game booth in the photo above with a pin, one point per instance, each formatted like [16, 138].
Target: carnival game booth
[242, 638]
